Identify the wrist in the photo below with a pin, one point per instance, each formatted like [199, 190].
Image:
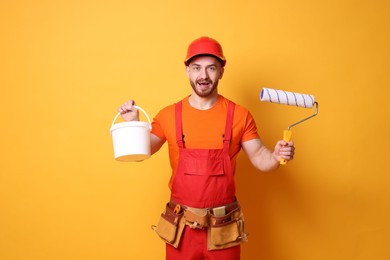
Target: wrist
[275, 157]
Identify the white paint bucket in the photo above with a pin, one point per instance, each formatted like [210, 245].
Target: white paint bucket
[131, 140]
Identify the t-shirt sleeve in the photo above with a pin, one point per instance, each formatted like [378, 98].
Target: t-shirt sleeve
[157, 128]
[250, 129]
[163, 122]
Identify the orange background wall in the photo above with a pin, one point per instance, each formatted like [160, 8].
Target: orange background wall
[67, 65]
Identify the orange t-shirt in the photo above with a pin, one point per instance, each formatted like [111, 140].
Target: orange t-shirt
[204, 129]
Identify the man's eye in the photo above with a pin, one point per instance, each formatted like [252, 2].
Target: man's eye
[212, 68]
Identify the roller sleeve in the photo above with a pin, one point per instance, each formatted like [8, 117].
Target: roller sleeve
[287, 98]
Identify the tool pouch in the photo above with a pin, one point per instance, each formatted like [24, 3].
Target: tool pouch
[226, 231]
[196, 218]
[170, 226]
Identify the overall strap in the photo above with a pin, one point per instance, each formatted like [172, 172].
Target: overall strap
[179, 130]
[229, 126]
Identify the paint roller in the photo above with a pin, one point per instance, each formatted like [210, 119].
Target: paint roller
[290, 99]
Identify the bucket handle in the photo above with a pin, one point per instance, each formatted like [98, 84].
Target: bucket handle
[137, 107]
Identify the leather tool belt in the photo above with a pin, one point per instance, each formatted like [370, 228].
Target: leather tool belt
[224, 224]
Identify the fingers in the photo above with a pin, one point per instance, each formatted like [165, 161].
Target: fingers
[126, 107]
[285, 150]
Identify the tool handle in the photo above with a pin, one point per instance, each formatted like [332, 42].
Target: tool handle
[286, 137]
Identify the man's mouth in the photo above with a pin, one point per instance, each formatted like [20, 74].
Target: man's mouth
[204, 84]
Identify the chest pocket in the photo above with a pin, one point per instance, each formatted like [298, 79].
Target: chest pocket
[203, 162]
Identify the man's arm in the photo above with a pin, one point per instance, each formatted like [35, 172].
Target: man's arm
[265, 160]
[155, 143]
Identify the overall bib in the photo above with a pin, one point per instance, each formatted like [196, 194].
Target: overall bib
[204, 179]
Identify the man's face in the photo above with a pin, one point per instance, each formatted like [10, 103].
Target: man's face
[204, 72]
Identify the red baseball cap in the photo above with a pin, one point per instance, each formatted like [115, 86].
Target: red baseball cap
[205, 46]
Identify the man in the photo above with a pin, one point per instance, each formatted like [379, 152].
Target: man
[205, 131]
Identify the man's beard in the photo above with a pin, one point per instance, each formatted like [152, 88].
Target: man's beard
[204, 93]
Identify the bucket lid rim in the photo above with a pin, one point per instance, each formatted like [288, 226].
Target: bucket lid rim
[130, 124]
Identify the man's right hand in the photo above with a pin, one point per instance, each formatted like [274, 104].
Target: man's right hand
[128, 111]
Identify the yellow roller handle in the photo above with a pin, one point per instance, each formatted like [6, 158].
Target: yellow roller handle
[286, 137]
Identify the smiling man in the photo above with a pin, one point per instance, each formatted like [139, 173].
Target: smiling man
[205, 132]
[204, 74]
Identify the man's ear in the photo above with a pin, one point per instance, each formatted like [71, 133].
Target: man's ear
[187, 71]
[222, 71]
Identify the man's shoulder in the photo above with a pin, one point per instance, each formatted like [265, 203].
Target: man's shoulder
[167, 109]
[238, 107]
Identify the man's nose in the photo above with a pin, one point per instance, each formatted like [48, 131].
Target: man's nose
[204, 74]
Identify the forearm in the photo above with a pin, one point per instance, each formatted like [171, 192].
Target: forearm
[260, 156]
[264, 160]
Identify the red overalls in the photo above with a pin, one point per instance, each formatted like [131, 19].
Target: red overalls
[204, 179]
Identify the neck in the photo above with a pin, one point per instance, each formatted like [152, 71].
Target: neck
[202, 103]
